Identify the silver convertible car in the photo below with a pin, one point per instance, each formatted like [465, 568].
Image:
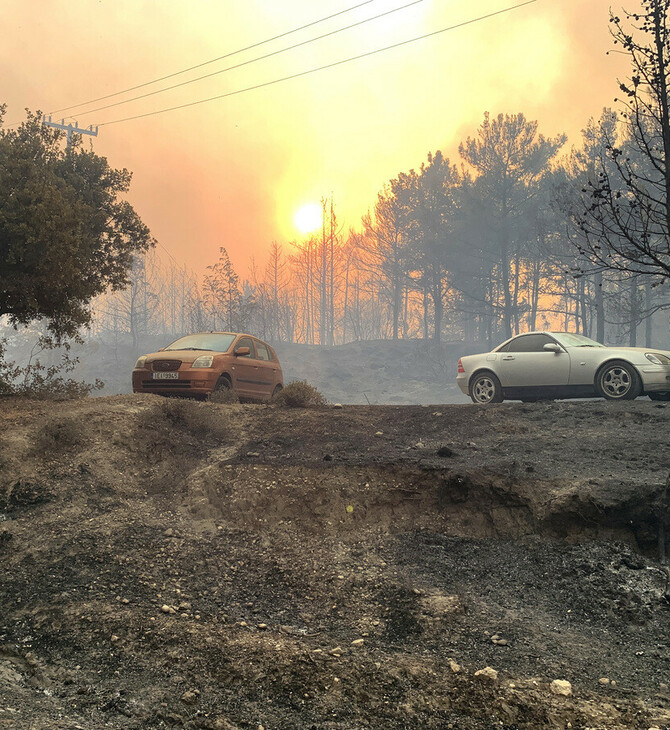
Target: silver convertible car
[539, 365]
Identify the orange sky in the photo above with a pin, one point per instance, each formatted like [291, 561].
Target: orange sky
[233, 172]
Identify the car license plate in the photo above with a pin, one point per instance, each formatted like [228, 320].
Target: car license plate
[165, 376]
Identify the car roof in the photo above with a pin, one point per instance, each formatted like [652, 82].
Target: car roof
[217, 332]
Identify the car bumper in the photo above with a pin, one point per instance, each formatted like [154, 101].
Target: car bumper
[462, 382]
[191, 381]
[655, 379]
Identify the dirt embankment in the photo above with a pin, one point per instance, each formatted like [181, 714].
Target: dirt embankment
[174, 564]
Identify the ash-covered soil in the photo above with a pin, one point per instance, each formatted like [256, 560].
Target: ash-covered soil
[173, 564]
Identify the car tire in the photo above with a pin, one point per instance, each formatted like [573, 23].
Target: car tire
[485, 388]
[659, 396]
[278, 389]
[618, 380]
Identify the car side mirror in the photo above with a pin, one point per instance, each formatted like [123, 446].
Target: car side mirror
[242, 351]
[552, 347]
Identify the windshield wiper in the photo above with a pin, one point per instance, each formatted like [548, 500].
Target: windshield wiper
[192, 348]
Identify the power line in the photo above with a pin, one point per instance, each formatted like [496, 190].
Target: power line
[321, 68]
[253, 60]
[214, 60]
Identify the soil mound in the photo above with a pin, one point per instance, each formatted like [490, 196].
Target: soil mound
[167, 563]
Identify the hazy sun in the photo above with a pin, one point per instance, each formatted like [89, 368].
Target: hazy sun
[308, 218]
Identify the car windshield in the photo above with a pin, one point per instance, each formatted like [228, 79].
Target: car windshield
[210, 341]
[572, 340]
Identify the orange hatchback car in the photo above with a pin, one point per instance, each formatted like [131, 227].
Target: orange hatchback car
[197, 365]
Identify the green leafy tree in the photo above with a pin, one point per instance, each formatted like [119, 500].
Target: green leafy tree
[66, 233]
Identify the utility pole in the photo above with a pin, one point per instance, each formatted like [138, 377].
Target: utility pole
[70, 128]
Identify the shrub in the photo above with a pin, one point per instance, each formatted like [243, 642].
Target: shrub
[42, 382]
[59, 434]
[167, 421]
[299, 394]
[225, 396]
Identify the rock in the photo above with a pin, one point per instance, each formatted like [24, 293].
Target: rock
[358, 642]
[561, 687]
[488, 674]
[455, 667]
[604, 680]
[167, 609]
[262, 627]
[337, 651]
[169, 532]
[337, 405]
[189, 697]
[445, 452]
[252, 454]
[114, 638]
[379, 433]
[419, 445]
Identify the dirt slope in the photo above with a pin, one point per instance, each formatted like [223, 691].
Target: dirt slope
[174, 564]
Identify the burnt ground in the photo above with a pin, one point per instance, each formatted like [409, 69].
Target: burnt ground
[172, 564]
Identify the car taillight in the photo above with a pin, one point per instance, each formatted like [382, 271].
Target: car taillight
[461, 369]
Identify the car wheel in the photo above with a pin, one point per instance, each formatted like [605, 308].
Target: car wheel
[618, 381]
[486, 388]
[278, 389]
[659, 396]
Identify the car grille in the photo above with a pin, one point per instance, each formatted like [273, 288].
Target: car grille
[158, 384]
[165, 366]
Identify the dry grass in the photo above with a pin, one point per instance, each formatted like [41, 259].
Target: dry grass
[59, 434]
[175, 424]
[225, 396]
[300, 394]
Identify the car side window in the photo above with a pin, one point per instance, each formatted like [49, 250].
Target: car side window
[262, 351]
[246, 342]
[529, 343]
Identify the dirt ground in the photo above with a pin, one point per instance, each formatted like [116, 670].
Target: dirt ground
[173, 564]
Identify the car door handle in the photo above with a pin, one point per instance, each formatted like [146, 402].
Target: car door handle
[508, 357]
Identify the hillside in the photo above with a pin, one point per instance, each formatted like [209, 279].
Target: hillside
[405, 372]
[173, 564]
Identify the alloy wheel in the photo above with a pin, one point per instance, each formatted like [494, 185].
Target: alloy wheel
[616, 382]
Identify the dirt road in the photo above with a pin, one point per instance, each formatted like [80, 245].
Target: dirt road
[176, 564]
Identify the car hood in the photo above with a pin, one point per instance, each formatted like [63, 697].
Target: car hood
[183, 355]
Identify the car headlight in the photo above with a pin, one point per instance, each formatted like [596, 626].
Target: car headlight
[657, 358]
[204, 361]
[140, 361]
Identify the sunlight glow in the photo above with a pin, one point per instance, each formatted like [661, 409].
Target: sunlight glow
[308, 218]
